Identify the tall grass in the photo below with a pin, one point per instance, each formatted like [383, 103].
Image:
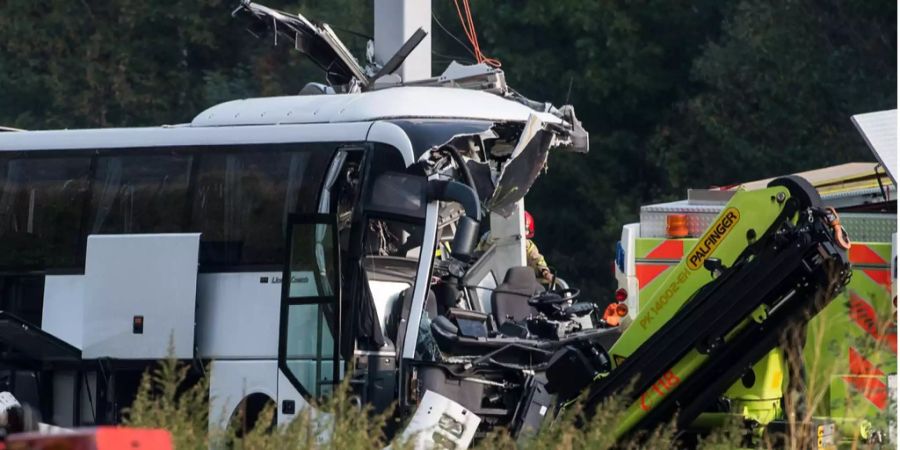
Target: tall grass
[164, 400]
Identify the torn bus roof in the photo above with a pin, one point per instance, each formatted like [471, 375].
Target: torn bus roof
[393, 103]
[315, 40]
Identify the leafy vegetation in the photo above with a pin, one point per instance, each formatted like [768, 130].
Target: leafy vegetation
[675, 94]
[164, 400]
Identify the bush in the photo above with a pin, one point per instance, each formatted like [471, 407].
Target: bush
[165, 400]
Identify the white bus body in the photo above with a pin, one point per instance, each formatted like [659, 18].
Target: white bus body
[122, 242]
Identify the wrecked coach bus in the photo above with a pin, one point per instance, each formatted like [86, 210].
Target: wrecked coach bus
[277, 241]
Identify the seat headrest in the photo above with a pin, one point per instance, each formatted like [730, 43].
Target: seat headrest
[522, 276]
[447, 295]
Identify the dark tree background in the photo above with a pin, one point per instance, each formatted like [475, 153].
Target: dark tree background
[675, 93]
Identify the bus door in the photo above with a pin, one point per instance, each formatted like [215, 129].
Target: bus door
[310, 306]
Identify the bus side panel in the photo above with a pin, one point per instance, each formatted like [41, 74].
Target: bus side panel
[232, 381]
[238, 315]
[290, 400]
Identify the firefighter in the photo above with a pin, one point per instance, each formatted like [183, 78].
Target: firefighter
[533, 256]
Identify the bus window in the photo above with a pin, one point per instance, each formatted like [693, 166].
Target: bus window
[393, 238]
[309, 306]
[140, 194]
[242, 200]
[41, 204]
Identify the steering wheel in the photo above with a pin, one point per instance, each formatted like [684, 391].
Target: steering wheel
[554, 297]
[568, 293]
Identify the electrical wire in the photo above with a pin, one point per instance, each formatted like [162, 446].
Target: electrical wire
[453, 36]
[469, 28]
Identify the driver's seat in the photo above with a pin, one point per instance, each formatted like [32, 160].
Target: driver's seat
[509, 302]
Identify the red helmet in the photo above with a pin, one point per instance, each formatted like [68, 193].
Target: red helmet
[529, 225]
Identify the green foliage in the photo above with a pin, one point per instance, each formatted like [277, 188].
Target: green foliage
[622, 64]
[682, 95]
[778, 88]
[676, 94]
[89, 63]
[166, 400]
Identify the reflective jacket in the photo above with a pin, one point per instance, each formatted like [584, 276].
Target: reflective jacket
[534, 258]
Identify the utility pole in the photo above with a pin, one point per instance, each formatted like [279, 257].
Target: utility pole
[395, 22]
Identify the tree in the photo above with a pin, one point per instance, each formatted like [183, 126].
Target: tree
[675, 93]
[622, 64]
[129, 62]
[778, 91]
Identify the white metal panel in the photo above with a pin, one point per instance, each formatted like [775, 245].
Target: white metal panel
[395, 22]
[63, 313]
[392, 134]
[287, 391]
[303, 109]
[506, 249]
[879, 129]
[699, 217]
[149, 275]
[63, 398]
[508, 237]
[237, 315]
[392, 103]
[181, 136]
[483, 292]
[231, 381]
[482, 280]
[634, 296]
[628, 279]
[384, 295]
[892, 406]
[423, 282]
[438, 422]
[630, 233]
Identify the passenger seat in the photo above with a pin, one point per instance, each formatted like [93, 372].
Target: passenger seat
[509, 302]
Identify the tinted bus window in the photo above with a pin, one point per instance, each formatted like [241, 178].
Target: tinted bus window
[41, 204]
[140, 194]
[242, 199]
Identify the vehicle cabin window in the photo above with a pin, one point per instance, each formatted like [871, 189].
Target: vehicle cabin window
[312, 264]
[395, 205]
[41, 207]
[237, 197]
[242, 201]
[309, 323]
[140, 193]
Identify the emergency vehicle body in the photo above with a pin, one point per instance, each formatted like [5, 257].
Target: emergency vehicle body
[850, 354]
[117, 243]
